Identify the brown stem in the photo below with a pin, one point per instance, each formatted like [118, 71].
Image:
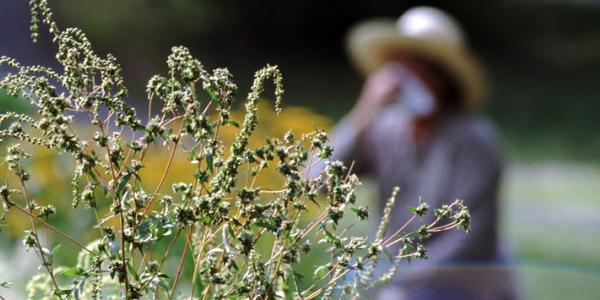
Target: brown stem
[197, 264]
[162, 261]
[164, 176]
[35, 234]
[54, 229]
[399, 229]
[119, 206]
[180, 268]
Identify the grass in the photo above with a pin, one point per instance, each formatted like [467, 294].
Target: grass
[551, 216]
[550, 282]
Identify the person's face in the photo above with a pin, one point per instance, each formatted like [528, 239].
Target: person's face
[427, 75]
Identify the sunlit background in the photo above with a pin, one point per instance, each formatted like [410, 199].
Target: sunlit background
[543, 58]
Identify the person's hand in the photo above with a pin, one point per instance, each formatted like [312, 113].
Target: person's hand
[379, 90]
[380, 87]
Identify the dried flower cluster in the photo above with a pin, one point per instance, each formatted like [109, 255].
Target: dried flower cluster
[220, 212]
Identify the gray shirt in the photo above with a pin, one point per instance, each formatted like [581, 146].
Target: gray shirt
[459, 160]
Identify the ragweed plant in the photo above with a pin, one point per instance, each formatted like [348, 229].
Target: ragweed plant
[220, 213]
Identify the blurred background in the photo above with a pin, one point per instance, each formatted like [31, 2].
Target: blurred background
[543, 57]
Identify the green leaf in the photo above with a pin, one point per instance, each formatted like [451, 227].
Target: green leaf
[6, 284]
[234, 265]
[93, 175]
[361, 212]
[121, 143]
[320, 272]
[132, 271]
[414, 209]
[72, 272]
[122, 184]
[209, 160]
[55, 250]
[267, 223]
[213, 94]
[61, 293]
[233, 123]
[206, 219]
[299, 278]
[331, 237]
[194, 151]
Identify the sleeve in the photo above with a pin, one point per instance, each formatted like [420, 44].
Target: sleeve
[476, 173]
[476, 168]
[348, 147]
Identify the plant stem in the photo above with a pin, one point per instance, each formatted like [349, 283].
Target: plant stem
[400, 229]
[180, 268]
[45, 263]
[164, 176]
[162, 261]
[54, 229]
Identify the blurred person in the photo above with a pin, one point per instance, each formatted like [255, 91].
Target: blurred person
[415, 126]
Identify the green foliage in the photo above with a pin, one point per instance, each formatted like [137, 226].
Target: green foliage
[220, 212]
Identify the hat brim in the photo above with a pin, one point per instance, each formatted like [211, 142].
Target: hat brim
[370, 45]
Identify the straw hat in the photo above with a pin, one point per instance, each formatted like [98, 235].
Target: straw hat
[427, 32]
